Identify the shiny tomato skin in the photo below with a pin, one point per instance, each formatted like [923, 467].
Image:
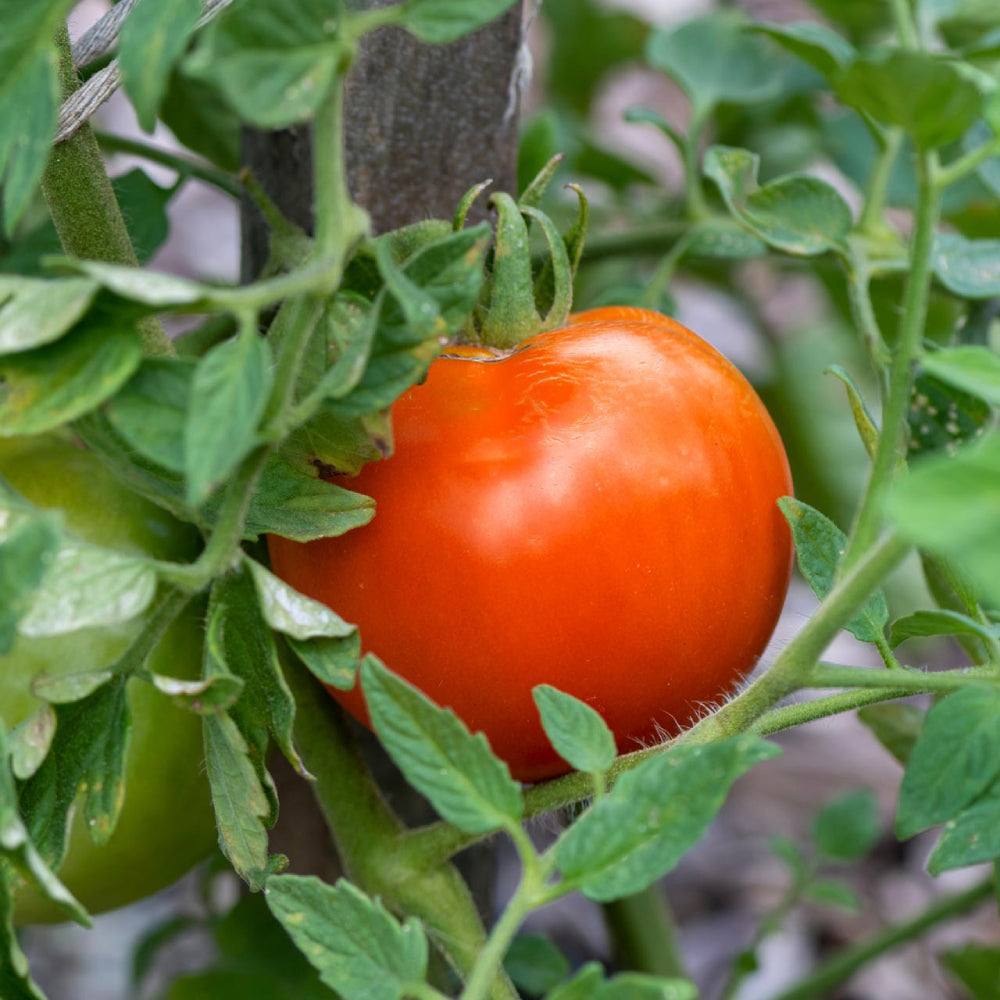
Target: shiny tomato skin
[595, 510]
[167, 823]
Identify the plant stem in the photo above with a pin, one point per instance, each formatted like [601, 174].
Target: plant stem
[370, 839]
[795, 664]
[644, 934]
[82, 202]
[906, 26]
[965, 165]
[858, 279]
[892, 439]
[651, 240]
[872, 220]
[841, 967]
[694, 194]
[182, 165]
[798, 714]
[915, 681]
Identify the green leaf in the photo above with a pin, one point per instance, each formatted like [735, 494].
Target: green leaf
[201, 119]
[243, 642]
[28, 547]
[155, 289]
[822, 47]
[942, 416]
[938, 621]
[715, 60]
[969, 268]
[153, 39]
[334, 662]
[87, 753]
[796, 213]
[589, 984]
[535, 964]
[977, 968]
[301, 507]
[292, 613]
[89, 587]
[54, 384]
[240, 801]
[971, 838]
[29, 99]
[578, 733]
[207, 694]
[974, 369]
[34, 311]
[228, 397]
[848, 827]
[950, 505]
[896, 727]
[439, 21]
[819, 548]
[358, 947]
[274, 60]
[829, 892]
[438, 755]
[149, 411]
[653, 816]
[18, 851]
[30, 741]
[955, 760]
[144, 206]
[924, 94]
[979, 135]
[863, 420]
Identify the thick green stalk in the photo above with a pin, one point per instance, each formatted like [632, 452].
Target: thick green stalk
[82, 202]
[915, 681]
[644, 934]
[892, 439]
[824, 980]
[369, 837]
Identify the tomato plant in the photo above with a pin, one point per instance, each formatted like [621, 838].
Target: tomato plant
[166, 822]
[596, 510]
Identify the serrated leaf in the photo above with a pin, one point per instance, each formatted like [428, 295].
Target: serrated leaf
[440, 21]
[922, 93]
[88, 587]
[577, 732]
[228, 396]
[274, 60]
[863, 420]
[29, 99]
[796, 213]
[716, 61]
[653, 816]
[955, 760]
[969, 268]
[28, 548]
[438, 755]
[971, 838]
[331, 661]
[896, 727]
[819, 548]
[939, 621]
[144, 207]
[589, 984]
[52, 385]
[155, 289]
[301, 507]
[950, 506]
[294, 614]
[61, 689]
[848, 827]
[35, 311]
[88, 752]
[199, 117]
[357, 946]
[150, 410]
[240, 801]
[152, 40]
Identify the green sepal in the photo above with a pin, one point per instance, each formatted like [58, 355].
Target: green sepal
[468, 199]
[531, 196]
[558, 267]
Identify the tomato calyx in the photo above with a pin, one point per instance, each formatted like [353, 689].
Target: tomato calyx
[524, 295]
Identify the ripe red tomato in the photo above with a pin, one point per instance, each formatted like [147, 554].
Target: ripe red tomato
[594, 510]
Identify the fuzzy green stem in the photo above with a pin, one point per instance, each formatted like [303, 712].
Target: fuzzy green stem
[892, 439]
[182, 165]
[796, 663]
[369, 836]
[915, 681]
[82, 202]
[824, 980]
[959, 169]
[872, 220]
[644, 934]
[798, 714]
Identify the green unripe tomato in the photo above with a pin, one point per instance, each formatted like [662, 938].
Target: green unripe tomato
[166, 824]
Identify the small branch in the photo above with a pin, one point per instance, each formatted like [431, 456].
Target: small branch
[914, 681]
[960, 169]
[824, 980]
[872, 219]
[644, 934]
[83, 207]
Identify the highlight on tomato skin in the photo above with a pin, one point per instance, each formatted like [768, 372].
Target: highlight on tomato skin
[596, 510]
